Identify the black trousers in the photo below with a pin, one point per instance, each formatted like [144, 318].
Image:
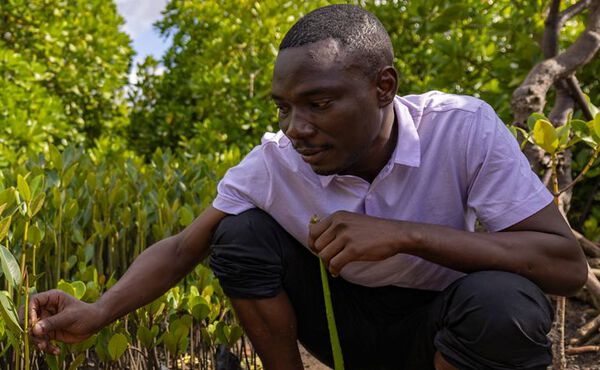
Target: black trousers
[485, 320]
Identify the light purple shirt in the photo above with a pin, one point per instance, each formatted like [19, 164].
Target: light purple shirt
[454, 161]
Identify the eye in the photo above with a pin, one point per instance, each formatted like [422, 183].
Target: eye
[282, 110]
[320, 104]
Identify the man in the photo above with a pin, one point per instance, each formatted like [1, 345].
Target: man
[397, 183]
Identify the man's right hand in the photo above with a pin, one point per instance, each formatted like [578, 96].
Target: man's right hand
[56, 315]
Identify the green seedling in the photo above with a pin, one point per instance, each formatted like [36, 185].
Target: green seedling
[338, 359]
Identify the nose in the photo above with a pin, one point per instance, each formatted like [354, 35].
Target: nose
[298, 127]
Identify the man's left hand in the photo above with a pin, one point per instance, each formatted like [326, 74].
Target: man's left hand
[345, 237]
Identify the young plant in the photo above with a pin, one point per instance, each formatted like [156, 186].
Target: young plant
[338, 358]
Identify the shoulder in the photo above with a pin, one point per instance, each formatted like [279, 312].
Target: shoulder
[275, 154]
[437, 101]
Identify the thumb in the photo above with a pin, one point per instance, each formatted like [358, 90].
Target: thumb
[52, 323]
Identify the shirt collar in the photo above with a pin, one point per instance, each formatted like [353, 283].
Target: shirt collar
[408, 146]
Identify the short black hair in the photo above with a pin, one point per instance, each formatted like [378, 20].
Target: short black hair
[358, 31]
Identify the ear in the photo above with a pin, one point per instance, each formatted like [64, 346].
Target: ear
[387, 84]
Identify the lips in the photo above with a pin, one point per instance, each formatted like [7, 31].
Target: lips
[312, 155]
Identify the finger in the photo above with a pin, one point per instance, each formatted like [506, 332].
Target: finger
[49, 300]
[315, 230]
[327, 237]
[44, 345]
[41, 343]
[337, 263]
[331, 250]
[52, 324]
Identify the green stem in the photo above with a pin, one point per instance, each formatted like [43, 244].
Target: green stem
[554, 178]
[26, 321]
[338, 358]
[560, 301]
[579, 177]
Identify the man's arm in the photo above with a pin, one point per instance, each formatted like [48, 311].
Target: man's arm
[56, 315]
[540, 248]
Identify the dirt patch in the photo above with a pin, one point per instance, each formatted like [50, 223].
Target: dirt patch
[578, 313]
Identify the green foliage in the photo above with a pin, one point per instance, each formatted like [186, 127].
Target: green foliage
[216, 88]
[77, 219]
[63, 66]
[76, 206]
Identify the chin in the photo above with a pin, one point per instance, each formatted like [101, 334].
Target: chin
[325, 171]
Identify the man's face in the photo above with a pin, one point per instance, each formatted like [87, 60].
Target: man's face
[328, 109]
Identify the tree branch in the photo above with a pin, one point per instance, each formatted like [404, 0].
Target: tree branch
[551, 31]
[579, 97]
[531, 95]
[572, 11]
[589, 247]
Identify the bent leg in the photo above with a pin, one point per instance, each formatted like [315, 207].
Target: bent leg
[247, 259]
[494, 320]
[275, 286]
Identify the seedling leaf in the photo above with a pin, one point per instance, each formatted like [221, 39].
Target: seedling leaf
[9, 314]
[545, 136]
[10, 267]
[117, 345]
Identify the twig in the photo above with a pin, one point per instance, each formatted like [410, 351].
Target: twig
[581, 174]
[589, 247]
[551, 31]
[579, 97]
[593, 285]
[577, 350]
[586, 331]
[572, 11]
[588, 204]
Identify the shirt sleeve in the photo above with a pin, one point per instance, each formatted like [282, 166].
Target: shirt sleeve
[244, 186]
[503, 190]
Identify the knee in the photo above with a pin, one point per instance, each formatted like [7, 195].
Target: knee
[246, 255]
[243, 228]
[496, 315]
[502, 301]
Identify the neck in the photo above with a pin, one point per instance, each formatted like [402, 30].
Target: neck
[383, 147]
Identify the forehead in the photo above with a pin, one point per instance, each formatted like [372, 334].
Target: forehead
[311, 66]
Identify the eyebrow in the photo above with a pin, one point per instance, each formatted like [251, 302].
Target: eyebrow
[309, 92]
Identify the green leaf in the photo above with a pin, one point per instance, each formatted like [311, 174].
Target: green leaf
[596, 124]
[9, 314]
[582, 131]
[545, 136]
[66, 287]
[23, 188]
[10, 267]
[186, 216]
[594, 109]
[79, 289]
[36, 204]
[117, 345]
[36, 234]
[4, 227]
[235, 334]
[200, 308]
[79, 360]
[564, 133]
[144, 335]
[55, 157]
[533, 119]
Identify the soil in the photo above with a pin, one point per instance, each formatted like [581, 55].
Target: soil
[578, 313]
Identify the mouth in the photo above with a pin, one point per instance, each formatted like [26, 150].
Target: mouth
[312, 155]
